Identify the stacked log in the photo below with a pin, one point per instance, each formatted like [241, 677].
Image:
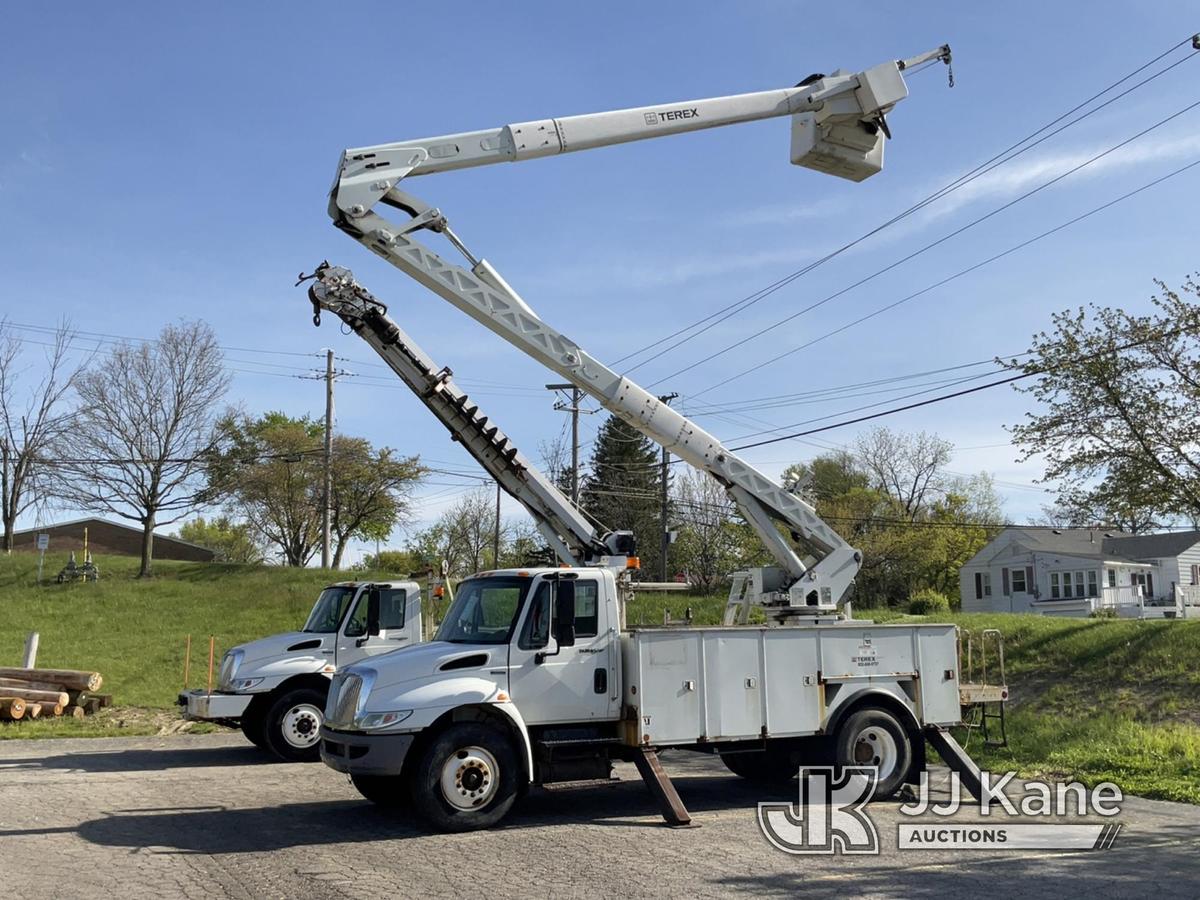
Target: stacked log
[34, 693]
[12, 708]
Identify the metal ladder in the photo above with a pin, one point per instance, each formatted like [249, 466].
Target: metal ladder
[983, 693]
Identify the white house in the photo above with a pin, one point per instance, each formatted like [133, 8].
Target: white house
[1074, 571]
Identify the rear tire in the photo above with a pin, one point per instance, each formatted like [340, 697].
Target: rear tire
[467, 778]
[385, 791]
[762, 766]
[874, 737]
[293, 725]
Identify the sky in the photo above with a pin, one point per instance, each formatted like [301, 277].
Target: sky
[161, 162]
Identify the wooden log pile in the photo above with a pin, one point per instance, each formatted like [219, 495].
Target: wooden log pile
[45, 693]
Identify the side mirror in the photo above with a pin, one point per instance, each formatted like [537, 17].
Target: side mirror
[373, 612]
[564, 614]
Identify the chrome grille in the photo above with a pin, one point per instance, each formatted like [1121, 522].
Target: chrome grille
[229, 666]
[343, 699]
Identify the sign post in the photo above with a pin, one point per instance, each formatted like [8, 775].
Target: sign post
[43, 541]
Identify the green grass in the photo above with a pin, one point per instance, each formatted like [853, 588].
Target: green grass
[1092, 699]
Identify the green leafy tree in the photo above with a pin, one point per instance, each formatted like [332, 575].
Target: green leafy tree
[1117, 395]
[622, 488]
[232, 541]
[372, 492]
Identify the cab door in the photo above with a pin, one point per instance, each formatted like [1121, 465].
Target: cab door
[355, 642]
[553, 684]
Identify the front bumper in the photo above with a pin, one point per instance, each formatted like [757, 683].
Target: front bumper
[355, 753]
[200, 704]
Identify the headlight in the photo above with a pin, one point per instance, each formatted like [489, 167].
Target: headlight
[372, 721]
[229, 666]
[244, 684]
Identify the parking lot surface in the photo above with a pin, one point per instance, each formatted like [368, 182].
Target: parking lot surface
[204, 816]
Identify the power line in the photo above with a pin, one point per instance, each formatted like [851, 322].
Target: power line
[999, 159]
[1076, 168]
[1040, 370]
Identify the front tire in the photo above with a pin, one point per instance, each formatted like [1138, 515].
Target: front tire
[874, 737]
[385, 791]
[467, 778]
[254, 723]
[293, 725]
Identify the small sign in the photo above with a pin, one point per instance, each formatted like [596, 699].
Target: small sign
[43, 541]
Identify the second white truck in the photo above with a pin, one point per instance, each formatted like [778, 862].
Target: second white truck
[275, 688]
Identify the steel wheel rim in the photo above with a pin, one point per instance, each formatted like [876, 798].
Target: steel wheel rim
[875, 746]
[470, 778]
[301, 726]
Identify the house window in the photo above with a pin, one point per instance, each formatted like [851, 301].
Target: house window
[1093, 587]
[1018, 581]
[1078, 584]
[1112, 577]
[987, 584]
[1054, 589]
[1066, 578]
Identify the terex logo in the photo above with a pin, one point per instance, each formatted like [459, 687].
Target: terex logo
[670, 115]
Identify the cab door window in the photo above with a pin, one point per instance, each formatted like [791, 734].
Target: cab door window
[356, 622]
[535, 634]
[392, 602]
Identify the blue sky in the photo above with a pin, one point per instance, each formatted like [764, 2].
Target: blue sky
[161, 161]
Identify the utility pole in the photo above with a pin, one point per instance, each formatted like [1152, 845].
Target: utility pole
[327, 494]
[575, 410]
[665, 546]
[496, 535]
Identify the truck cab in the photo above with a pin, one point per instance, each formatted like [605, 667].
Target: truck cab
[275, 688]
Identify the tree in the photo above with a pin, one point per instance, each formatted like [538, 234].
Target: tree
[1117, 396]
[622, 487]
[711, 539]
[31, 425]
[144, 425]
[907, 468]
[269, 472]
[830, 475]
[462, 536]
[372, 491]
[233, 542]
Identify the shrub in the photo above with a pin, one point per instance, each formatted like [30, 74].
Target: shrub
[927, 602]
[1102, 614]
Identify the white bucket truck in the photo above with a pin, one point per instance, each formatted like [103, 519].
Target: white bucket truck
[275, 689]
[533, 676]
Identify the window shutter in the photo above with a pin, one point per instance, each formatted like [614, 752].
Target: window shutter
[1030, 587]
[1149, 585]
[978, 585]
[1195, 574]
[1004, 582]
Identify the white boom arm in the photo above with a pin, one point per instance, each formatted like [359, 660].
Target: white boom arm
[570, 536]
[838, 128]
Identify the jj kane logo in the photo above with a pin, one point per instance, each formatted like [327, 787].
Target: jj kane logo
[831, 815]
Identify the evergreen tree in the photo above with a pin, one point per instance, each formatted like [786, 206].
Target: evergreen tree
[622, 488]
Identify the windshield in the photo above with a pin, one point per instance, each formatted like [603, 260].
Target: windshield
[327, 614]
[484, 610]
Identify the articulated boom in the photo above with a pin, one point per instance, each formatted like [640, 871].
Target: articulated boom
[569, 534]
[838, 127]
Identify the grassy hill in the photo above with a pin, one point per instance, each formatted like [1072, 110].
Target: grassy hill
[1094, 699]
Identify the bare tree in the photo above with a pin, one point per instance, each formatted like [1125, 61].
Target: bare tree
[31, 423]
[145, 422]
[710, 541]
[908, 468]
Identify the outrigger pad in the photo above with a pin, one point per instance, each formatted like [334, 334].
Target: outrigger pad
[673, 811]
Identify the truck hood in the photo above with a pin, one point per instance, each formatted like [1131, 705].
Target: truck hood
[435, 661]
[290, 653]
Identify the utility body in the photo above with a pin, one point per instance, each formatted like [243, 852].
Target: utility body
[533, 676]
[275, 688]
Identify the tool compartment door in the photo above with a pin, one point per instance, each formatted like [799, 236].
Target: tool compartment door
[733, 684]
[664, 684]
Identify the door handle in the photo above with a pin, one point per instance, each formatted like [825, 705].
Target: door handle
[600, 681]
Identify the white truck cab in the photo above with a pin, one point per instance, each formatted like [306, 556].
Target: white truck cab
[275, 688]
[531, 679]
